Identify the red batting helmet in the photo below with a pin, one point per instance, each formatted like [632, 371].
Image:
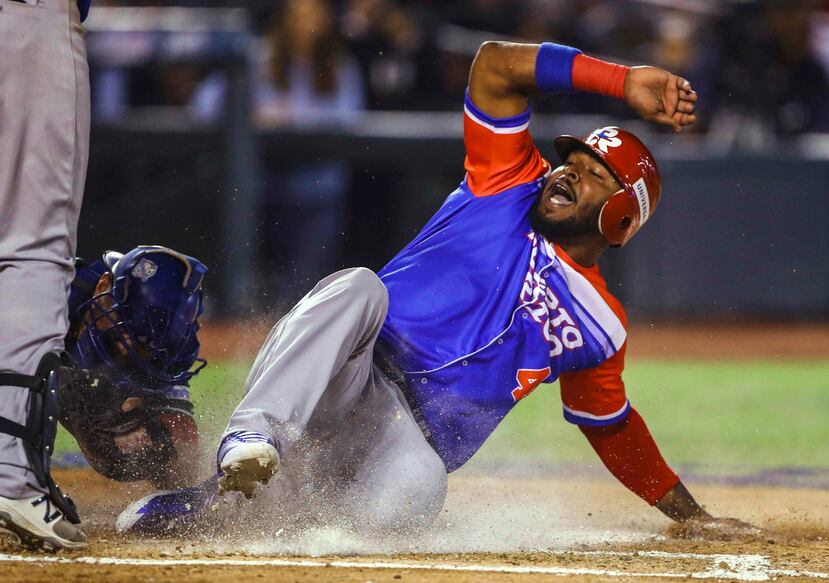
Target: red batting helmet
[634, 167]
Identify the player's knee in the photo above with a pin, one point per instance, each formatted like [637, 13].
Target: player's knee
[363, 284]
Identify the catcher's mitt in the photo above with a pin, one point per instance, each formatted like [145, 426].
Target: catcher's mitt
[126, 433]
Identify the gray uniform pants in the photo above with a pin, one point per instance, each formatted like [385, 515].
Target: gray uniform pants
[44, 140]
[350, 445]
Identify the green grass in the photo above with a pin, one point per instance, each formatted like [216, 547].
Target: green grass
[752, 415]
[748, 415]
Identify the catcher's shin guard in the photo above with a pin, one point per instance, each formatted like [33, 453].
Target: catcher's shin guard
[38, 435]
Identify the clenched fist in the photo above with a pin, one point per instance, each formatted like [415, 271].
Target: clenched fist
[660, 97]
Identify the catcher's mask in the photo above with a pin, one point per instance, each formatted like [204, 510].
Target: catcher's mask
[634, 167]
[148, 333]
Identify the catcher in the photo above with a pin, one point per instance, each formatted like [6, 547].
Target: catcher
[133, 348]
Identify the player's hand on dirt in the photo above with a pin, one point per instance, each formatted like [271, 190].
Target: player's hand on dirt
[693, 521]
[715, 529]
[660, 97]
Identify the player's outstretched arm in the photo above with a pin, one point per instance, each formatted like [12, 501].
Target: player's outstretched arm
[505, 74]
[629, 451]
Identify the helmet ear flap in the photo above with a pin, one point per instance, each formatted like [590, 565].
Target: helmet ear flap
[619, 218]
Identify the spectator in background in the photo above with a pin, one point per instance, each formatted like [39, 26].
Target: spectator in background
[387, 40]
[409, 61]
[303, 75]
[124, 74]
[801, 82]
[683, 44]
[496, 16]
[770, 81]
[820, 36]
[309, 76]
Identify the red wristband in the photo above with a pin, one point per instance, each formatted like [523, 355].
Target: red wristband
[595, 76]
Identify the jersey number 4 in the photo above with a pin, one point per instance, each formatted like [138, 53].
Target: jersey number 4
[528, 379]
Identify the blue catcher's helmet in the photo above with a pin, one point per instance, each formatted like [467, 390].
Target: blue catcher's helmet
[145, 327]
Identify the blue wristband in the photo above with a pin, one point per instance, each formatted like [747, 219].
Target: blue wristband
[554, 67]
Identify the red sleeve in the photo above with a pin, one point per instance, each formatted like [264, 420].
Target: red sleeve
[500, 152]
[595, 400]
[630, 453]
[596, 396]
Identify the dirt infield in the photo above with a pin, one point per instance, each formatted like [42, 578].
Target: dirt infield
[732, 341]
[513, 524]
[494, 529]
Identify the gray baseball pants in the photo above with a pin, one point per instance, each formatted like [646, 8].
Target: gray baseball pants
[44, 142]
[341, 421]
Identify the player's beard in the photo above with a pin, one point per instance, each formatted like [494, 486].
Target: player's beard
[584, 222]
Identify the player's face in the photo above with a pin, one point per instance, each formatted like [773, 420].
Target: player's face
[570, 203]
[121, 346]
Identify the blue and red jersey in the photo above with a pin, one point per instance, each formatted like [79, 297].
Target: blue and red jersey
[483, 309]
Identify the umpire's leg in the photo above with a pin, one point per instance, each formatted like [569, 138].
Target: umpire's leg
[44, 136]
[316, 360]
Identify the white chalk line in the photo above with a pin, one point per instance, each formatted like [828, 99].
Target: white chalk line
[739, 567]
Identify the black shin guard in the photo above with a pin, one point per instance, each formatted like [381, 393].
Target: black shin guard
[38, 435]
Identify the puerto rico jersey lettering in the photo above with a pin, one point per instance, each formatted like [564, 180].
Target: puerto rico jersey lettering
[482, 309]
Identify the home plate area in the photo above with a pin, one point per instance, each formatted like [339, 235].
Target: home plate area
[495, 527]
[584, 565]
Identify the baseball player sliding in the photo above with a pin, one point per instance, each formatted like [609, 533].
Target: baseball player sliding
[384, 384]
[44, 146]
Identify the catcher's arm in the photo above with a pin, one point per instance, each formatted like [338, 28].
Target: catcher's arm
[128, 433]
[165, 425]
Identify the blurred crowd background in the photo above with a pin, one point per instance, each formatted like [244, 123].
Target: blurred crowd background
[327, 173]
[760, 64]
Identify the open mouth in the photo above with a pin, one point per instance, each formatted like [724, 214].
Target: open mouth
[561, 195]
